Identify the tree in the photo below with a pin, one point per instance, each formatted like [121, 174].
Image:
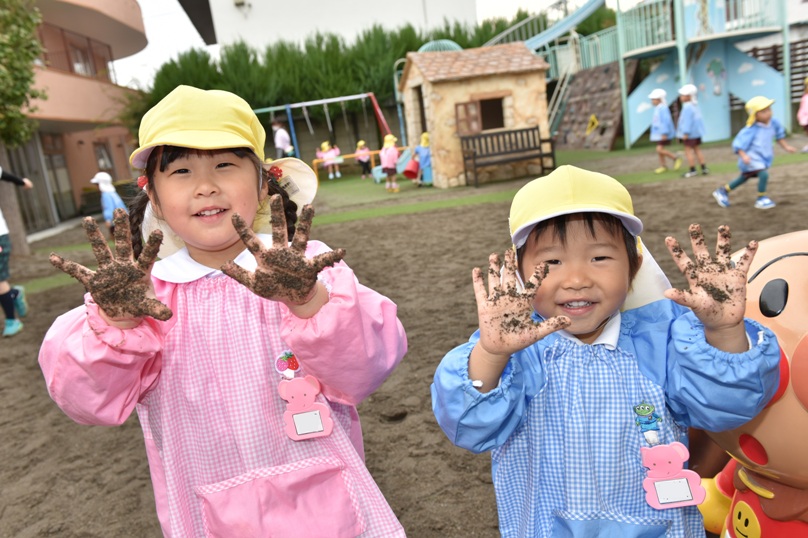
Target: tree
[19, 48]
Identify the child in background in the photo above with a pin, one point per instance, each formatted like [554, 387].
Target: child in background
[282, 140]
[210, 342]
[329, 154]
[12, 298]
[389, 160]
[753, 144]
[110, 199]
[690, 129]
[802, 112]
[363, 157]
[423, 155]
[663, 131]
[569, 366]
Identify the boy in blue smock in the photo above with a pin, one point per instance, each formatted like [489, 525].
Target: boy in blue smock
[663, 131]
[690, 129]
[578, 343]
[110, 199]
[754, 146]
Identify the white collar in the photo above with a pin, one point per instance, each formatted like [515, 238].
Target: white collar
[180, 268]
[609, 336]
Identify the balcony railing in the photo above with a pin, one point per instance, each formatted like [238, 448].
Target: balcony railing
[74, 53]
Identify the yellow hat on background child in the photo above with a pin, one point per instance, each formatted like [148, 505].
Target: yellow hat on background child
[389, 140]
[201, 119]
[569, 189]
[755, 105]
[360, 144]
[325, 146]
[425, 139]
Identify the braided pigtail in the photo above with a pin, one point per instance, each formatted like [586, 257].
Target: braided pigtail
[137, 208]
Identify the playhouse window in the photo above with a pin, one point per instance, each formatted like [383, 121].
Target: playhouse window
[491, 114]
[475, 116]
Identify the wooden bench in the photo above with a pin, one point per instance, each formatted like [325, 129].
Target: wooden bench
[500, 147]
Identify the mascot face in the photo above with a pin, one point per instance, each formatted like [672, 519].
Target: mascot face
[775, 442]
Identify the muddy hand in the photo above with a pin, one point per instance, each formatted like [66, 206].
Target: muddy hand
[284, 273]
[717, 287]
[504, 311]
[120, 286]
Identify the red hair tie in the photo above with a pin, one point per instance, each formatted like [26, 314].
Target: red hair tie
[142, 181]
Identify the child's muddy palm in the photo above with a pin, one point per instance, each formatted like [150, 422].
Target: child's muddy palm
[284, 273]
[505, 312]
[717, 287]
[121, 286]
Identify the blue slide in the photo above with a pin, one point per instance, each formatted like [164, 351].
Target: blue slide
[563, 26]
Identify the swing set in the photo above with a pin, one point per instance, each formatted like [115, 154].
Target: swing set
[382, 123]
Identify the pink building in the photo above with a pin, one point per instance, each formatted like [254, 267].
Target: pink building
[79, 133]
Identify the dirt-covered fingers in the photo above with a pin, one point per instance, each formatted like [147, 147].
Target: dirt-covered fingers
[303, 229]
[510, 268]
[239, 274]
[723, 246]
[79, 272]
[680, 257]
[327, 259]
[97, 242]
[746, 258]
[494, 276]
[149, 252]
[535, 280]
[156, 309]
[700, 250]
[548, 326]
[277, 220]
[123, 236]
[246, 234]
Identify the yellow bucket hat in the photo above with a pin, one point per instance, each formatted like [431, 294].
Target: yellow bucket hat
[569, 189]
[325, 146]
[200, 119]
[755, 105]
[425, 139]
[389, 140]
[360, 144]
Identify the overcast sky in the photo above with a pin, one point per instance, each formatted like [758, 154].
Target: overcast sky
[170, 32]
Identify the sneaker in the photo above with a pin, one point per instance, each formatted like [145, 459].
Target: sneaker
[330, 176]
[721, 196]
[805, 149]
[660, 170]
[705, 171]
[339, 175]
[13, 326]
[677, 162]
[691, 173]
[764, 202]
[20, 303]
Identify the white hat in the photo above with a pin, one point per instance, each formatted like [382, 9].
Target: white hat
[101, 177]
[657, 93]
[688, 89]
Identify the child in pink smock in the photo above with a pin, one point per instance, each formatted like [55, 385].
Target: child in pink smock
[329, 154]
[389, 161]
[245, 365]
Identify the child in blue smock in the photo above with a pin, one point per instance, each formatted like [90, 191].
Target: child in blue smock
[690, 129]
[578, 345]
[663, 131]
[110, 199]
[754, 146]
[423, 155]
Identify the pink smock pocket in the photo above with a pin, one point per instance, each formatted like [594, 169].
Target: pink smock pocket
[311, 497]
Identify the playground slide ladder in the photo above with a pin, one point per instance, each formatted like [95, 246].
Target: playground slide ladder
[557, 100]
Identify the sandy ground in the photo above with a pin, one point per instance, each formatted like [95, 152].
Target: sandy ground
[62, 479]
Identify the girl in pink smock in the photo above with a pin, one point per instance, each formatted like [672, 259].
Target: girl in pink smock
[245, 365]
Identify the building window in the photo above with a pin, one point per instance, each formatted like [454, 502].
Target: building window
[75, 53]
[103, 157]
[491, 114]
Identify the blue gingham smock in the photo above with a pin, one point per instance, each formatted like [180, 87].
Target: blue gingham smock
[662, 124]
[690, 122]
[561, 425]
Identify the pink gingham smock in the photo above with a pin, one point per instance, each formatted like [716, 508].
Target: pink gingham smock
[205, 387]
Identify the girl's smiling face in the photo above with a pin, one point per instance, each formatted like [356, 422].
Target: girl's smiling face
[197, 195]
[588, 274]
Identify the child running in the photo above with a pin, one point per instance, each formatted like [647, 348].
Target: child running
[663, 131]
[690, 129]
[754, 146]
[569, 390]
[245, 365]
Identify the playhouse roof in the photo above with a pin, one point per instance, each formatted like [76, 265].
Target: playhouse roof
[441, 66]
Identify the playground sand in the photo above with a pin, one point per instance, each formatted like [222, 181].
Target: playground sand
[63, 479]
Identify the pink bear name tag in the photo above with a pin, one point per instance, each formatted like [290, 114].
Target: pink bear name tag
[304, 418]
[669, 484]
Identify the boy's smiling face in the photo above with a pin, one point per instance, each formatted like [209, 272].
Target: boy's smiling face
[588, 275]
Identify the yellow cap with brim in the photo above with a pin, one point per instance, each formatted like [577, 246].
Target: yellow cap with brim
[200, 119]
[755, 105]
[567, 190]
